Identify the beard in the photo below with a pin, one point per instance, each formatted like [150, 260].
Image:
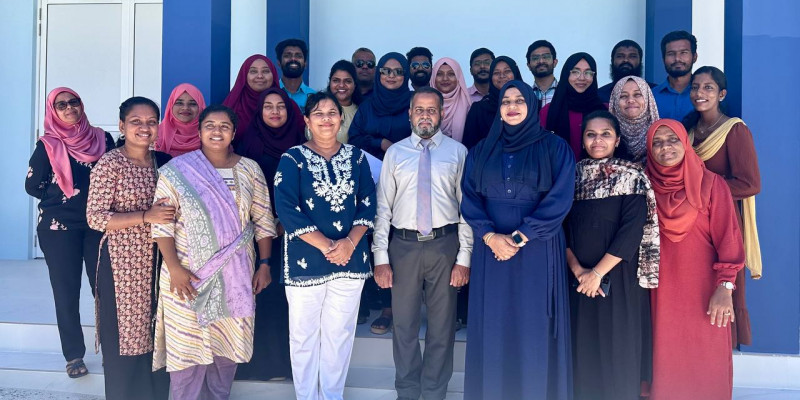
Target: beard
[427, 132]
[539, 73]
[292, 69]
[625, 69]
[478, 79]
[676, 73]
[420, 78]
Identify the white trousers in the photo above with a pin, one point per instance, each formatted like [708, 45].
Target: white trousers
[322, 327]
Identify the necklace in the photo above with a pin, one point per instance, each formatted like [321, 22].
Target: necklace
[708, 128]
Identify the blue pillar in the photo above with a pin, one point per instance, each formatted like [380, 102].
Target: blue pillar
[663, 16]
[287, 20]
[761, 69]
[196, 47]
[18, 80]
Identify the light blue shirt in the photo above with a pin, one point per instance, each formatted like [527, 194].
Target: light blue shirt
[301, 96]
[672, 104]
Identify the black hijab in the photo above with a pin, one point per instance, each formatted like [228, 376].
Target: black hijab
[482, 113]
[259, 139]
[534, 168]
[391, 101]
[566, 98]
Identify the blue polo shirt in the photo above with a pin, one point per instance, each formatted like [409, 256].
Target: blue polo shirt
[672, 104]
[301, 96]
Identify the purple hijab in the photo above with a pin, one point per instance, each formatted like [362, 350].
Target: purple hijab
[242, 99]
[258, 138]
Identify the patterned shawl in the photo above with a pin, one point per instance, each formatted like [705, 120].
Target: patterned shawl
[218, 246]
[608, 177]
[634, 131]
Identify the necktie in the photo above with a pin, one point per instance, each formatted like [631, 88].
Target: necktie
[424, 213]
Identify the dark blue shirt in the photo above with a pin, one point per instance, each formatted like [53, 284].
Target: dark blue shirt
[672, 104]
[368, 128]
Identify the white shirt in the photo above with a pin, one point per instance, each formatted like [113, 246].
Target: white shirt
[397, 192]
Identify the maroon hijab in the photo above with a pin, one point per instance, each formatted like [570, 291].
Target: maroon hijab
[244, 100]
[258, 138]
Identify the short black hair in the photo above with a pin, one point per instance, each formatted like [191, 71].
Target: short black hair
[214, 108]
[675, 36]
[479, 52]
[315, 98]
[291, 42]
[627, 43]
[346, 66]
[428, 90]
[127, 105]
[539, 43]
[601, 114]
[419, 51]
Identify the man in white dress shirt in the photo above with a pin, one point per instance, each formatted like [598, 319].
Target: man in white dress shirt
[422, 246]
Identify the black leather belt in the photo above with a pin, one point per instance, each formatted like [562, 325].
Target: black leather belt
[409, 234]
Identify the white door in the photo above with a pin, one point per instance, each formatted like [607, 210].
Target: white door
[105, 50]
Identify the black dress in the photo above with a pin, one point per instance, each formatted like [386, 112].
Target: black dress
[611, 335]
[271, 327]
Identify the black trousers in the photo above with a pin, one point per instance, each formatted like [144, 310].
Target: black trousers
[126, 377]
[65, 253]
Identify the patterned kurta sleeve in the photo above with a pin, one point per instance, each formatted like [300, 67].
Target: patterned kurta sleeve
[164, 190]
[473, 209]
[102, 191]
[261, 211]
[39, 170]
[288, 198]
[725, 234]
[365, 197]
[546, 220]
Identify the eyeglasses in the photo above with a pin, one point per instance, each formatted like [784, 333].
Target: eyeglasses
[418, 65]
[576, 73]
[544, 57]
[62, 105]
[478, 63]
[429, 111]
[362, 63]
[516, 102]
[391, 71]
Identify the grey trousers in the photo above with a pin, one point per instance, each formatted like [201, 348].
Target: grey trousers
[422, 270]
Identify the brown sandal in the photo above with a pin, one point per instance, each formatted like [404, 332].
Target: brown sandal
[76, 368]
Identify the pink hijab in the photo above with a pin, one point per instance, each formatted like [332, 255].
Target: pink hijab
[244, 100]
[176, 137]
[85, 143]
[456, 103]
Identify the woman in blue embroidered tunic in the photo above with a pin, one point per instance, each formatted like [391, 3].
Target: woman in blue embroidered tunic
[324, 197]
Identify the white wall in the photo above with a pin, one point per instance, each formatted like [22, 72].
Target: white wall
[708, 26]
[248, 32]
[456, 28]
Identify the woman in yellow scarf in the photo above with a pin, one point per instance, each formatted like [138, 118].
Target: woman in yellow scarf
[726, 146]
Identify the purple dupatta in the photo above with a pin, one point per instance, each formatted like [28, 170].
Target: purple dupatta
[218, 246]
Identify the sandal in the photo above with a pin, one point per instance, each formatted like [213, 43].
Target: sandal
[76, 368]
[381, 325]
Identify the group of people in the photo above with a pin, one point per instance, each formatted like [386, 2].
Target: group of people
[592, 240]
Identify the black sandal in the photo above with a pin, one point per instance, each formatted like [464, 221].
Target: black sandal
[76, 368]
[381, 325]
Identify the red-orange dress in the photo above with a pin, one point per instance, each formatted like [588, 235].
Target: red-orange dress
[692, 358]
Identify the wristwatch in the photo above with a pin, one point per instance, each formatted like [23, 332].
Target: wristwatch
[728, 285]
[517, 238]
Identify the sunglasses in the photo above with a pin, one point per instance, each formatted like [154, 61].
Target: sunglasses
[392, 71]
[362, 63]
[423, 65]
[62, 105]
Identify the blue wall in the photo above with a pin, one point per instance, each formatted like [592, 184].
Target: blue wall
[18, 27]
[196, 47]
[768, 57]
